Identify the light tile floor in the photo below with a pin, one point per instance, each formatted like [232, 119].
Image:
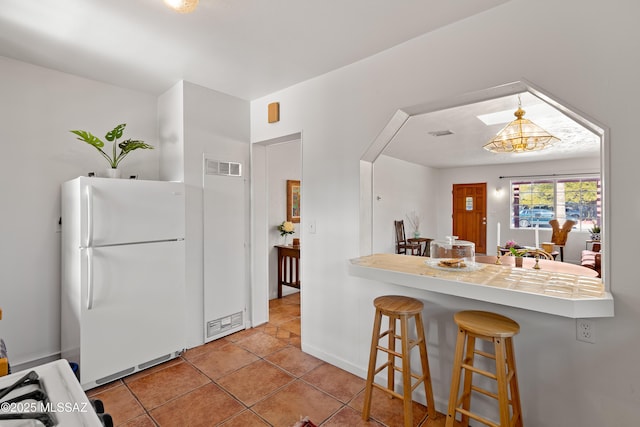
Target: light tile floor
[257, 377]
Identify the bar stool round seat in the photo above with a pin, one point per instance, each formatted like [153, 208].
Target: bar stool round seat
[499, 330]
[396, 305]
[399, 309]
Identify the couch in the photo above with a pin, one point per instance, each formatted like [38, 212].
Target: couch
[592, 258]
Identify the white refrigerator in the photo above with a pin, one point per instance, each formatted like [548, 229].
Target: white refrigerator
[123, 275]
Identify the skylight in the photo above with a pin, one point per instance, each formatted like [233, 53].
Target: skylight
[504, 117]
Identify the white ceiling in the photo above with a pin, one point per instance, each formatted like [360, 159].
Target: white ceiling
[251, 48]
[413, 143]
[245, 48]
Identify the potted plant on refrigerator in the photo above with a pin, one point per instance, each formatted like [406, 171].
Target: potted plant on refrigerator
[112, 136]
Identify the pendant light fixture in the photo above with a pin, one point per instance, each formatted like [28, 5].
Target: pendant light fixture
[182, 6]
[520, 136]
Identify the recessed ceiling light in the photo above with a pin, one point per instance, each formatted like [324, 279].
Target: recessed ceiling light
[440, 133]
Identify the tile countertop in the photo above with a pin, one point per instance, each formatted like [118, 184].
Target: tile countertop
[560, 294]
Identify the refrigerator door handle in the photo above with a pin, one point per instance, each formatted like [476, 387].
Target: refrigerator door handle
[89, 216]
[89, 278]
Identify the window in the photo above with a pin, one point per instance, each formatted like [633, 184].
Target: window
[535, 202]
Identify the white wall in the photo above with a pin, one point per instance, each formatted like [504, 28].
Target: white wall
[283, 163]
[582, 56]
[260, 243]
[399, 188]
[498, 207]
[39, 106]
[216, 124]
[171, 133]
[404, 187]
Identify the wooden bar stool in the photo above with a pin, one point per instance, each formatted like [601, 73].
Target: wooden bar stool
[499, 330]
[399, 308]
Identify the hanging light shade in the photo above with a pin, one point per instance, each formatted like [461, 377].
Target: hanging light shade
[182, 6]
[519, 136]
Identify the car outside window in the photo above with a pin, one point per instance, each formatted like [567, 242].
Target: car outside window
[536, 202]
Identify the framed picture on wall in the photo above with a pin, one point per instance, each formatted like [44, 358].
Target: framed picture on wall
[293, 200]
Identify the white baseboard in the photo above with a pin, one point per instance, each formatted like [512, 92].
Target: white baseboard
[359, 371]
[35, 362]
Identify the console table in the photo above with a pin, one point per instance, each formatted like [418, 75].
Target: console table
[288, 267]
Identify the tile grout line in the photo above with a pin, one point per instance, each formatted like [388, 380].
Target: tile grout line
[260, 358]
[228, 393]
[290, 339]
[146, 411]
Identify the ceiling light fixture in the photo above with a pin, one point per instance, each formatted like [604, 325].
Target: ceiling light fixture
[182, 6]
[520, 136]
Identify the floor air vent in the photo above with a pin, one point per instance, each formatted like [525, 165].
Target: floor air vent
[225, 324]
[215, 167]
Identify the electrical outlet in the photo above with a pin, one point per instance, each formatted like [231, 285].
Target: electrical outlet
[585, 330]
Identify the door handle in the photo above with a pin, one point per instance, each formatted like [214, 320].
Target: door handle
[89, 216]
[89, 278]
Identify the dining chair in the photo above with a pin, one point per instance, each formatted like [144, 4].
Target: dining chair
[402, 245]
[559, 234]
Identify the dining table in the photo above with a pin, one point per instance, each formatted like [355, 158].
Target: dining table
[424, 250]
[544, 264]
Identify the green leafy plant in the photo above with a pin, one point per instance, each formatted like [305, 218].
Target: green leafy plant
[595, 229]
[515, 252]
[112, 136]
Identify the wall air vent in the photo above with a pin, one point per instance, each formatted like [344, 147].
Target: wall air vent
[215, 167]
[225, 324]
[440, 133]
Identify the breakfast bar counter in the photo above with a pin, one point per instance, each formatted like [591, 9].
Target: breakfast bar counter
[561, 294]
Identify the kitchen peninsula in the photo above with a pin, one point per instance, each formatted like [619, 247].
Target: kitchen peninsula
[555, 293]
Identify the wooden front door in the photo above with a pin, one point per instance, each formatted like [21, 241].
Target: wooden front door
[470, 214]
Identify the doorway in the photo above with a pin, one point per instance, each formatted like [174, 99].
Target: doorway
[470, 214]
[273, 162]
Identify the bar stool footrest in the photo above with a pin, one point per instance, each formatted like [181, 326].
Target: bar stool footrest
[497, 330]
[480, 371]
[402, 310]
[477, 417]
[383, 366]
[388, 391]
[484, 391]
